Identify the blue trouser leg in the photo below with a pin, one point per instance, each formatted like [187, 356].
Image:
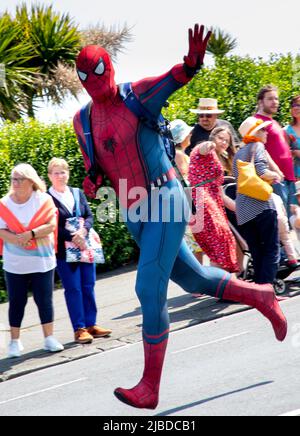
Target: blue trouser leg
[196, 278]
[159, 240]
[159, 244]
[79, 281]
[88, 280]
[163, 254]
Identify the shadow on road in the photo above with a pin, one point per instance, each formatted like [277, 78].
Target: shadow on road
[217, 397]
[185, 307]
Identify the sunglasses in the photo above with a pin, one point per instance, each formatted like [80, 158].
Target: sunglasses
[209, 116]
[17, 180]
[296, 105]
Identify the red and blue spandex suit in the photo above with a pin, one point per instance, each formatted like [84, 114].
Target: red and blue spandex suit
[126, 149]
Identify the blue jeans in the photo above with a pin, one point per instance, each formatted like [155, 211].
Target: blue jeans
[79, 280]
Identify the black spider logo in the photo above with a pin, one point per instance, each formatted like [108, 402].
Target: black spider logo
[110, 145]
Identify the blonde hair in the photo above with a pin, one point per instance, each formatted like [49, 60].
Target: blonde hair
[29, 173]
[56, 162]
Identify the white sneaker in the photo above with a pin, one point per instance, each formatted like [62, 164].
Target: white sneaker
[52, 345]
[15, 349]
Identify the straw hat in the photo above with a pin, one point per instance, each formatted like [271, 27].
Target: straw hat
[252, 125]
[207, 106]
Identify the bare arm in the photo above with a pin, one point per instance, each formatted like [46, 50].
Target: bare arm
[271, 176]
[8, 236]
[206, 147]
[274, 167]
[39, 232]
[228, 202]
[180, 162]
[46, 229]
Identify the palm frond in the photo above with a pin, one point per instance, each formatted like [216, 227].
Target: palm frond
[54, 36]
[112, 39]
[220, 43]
[14, 58]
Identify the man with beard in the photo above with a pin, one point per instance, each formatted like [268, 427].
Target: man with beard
[277, 145]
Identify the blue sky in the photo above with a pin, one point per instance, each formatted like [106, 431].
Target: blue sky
[160, 31]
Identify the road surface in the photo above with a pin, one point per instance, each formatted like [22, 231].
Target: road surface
[229, 367]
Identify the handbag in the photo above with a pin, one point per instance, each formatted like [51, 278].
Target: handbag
[249, 183]
[93, 253]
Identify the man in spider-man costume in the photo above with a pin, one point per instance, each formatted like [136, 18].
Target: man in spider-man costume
[126, 149]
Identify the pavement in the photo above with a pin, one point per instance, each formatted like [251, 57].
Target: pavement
[118, 310]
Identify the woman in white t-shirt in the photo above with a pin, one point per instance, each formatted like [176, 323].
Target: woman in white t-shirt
[28, 224]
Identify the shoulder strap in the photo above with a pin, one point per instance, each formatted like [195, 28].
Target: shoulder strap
[254, 149]
[88, 147]
[252, 152]
[158, 124]
[76, 194]
[134, 104]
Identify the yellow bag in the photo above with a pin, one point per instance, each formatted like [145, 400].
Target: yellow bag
[250, 184]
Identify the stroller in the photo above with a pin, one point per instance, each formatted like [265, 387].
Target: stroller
[284, 270]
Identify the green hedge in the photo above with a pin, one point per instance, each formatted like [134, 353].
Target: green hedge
[235, 82]
[36, 143]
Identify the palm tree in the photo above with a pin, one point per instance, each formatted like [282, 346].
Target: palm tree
[15, 73]
[64, 80]
[220, 43]
[112, 39]
[54, 41]
[43, 47]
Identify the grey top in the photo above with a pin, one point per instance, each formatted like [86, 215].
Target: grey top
[248, 208]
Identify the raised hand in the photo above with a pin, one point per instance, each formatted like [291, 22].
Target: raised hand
[197, 48]
[206, 147]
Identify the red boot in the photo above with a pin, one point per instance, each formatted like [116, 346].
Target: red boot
[146, 394]
[262, 298]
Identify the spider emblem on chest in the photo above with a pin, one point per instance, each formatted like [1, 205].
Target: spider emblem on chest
[110, 145]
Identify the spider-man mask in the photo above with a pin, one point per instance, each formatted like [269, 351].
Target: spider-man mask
[96, 73]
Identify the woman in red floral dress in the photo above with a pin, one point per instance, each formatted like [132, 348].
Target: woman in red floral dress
[207, 173]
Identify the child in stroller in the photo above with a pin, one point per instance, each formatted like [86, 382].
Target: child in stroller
[286, 268]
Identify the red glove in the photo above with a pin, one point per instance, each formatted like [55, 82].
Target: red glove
[197, 49]
[90, 188]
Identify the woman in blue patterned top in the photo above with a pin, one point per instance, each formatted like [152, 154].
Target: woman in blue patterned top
[293, 134]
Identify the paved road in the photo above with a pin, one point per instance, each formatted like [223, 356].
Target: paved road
[232, 366]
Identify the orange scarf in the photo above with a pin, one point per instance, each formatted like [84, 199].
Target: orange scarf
[250, 139]
[42, 217]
